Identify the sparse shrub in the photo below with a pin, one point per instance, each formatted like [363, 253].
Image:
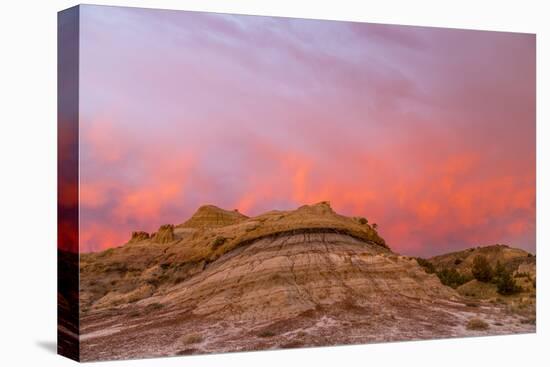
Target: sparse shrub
[375, 226]
[107, 252]
[186, 352]
[452, 278]
[118, 267]
[458, 261]
[134, 313]
[292, 344]
[472, 304]
[266, 334]
[481, 269]
[428, 266]
[506, 285]
[522, 275]
[301, 334]
[477, 324]
[192, 339]
[154, 306]
[218, 242]
[499, 270]
[363, 220]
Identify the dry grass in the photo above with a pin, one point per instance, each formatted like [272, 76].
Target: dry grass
[477, 324]
[477, 289]
[191, 339]
[266, 334]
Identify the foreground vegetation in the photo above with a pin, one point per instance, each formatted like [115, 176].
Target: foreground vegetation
[481, 270]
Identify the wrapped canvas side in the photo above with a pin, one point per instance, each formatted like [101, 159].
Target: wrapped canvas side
[67, 196]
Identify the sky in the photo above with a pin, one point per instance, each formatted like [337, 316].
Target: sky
[428, 132]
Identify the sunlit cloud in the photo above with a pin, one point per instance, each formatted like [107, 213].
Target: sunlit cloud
[428, 132]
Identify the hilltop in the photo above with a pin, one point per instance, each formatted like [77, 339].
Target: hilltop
[462, 261]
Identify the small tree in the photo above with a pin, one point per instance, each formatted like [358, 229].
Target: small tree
[499, 270]
[428, 266]
[481, 270]
[506, 284]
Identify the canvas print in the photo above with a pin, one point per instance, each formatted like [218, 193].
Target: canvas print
[237, 183]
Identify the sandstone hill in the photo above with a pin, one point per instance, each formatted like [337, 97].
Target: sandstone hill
[222, 281]
[462, 261]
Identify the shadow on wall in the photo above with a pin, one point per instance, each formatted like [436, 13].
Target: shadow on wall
[49, 346]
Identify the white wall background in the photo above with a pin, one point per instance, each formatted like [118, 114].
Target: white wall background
[28, 181]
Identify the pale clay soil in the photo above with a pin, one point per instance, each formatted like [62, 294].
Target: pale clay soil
[166, 332]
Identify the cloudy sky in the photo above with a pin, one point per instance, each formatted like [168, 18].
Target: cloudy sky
[428, 132]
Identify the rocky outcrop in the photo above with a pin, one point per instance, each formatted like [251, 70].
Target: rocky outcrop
[285, 275]
[165, 234]
[210, 216]
[139, 236]
[527, 269]
[281, 261]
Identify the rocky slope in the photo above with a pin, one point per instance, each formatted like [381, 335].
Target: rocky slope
[224, 282]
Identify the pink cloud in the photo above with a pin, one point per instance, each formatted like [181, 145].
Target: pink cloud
[428, 132]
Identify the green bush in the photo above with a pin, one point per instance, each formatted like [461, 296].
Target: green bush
[428, 266]
[506, 284]
[481, 269]
[452, 278]
[499, 270]
[218, 242]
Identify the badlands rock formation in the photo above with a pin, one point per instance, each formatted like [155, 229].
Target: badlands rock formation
[222, 281]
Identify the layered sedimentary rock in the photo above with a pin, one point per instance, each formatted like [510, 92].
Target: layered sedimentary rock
[165, 234]
[222, 281]
[210, 216]
[174, 254]
[284, 275]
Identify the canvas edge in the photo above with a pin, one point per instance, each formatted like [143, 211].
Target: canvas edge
[68, 302]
